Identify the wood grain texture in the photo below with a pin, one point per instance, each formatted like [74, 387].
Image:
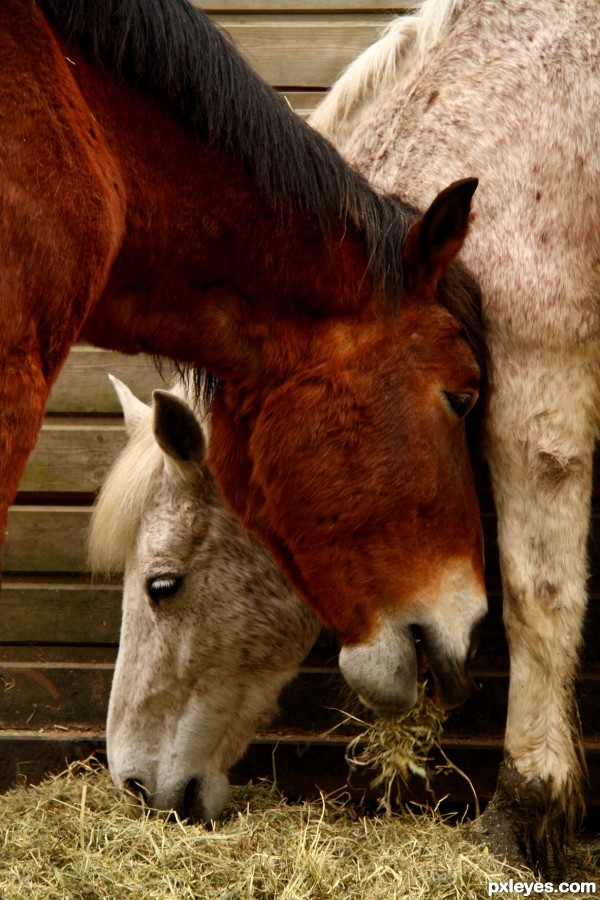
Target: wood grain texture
[46, 539]
[320, 7]
[302, 50]
[63, 613]
[83, 386]
[73, 455]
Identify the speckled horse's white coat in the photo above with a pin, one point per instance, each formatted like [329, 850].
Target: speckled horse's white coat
[211, 630]
[509, 92]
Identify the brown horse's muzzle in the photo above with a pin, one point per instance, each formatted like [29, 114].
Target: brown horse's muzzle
[384, 670]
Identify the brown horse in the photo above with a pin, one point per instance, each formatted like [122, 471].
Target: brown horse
[157, 196]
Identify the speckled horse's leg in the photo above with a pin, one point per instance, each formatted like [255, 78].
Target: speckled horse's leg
[542, 421]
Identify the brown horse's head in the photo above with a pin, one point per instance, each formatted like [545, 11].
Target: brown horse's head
[353, 465]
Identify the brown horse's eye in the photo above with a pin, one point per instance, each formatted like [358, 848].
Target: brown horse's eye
[163, 587]
[460, 403]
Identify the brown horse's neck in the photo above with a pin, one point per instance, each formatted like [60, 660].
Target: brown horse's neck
[206, 270]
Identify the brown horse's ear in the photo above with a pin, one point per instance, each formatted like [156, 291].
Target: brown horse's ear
[434, 240]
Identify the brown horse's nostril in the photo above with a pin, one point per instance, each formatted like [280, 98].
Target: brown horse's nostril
[423, 665]
[450, 670]
[136, 789]
[190, 795]
[474, 643]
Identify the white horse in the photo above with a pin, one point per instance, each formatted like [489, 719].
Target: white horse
[510, 93]
[211, 631]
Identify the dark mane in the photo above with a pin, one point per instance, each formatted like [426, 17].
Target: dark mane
[459, 292]
[174, 53]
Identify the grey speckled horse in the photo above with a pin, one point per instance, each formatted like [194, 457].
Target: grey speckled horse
[211, 630]
[509, 92]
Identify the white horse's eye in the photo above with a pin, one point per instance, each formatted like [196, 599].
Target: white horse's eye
[163, 587]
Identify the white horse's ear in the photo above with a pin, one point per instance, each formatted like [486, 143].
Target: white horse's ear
[177, 430]
[134, 411]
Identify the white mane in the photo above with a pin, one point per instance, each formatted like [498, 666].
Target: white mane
[403, 46]
[125, 494]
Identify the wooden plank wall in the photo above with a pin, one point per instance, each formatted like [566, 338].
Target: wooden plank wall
[59, 631]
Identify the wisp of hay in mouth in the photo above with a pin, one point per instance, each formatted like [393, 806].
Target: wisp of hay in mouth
[398, 746]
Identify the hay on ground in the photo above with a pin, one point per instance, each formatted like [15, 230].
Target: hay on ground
[75, 837]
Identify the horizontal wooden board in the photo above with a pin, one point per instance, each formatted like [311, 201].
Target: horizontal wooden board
[321, 7]
[44, 611]
[29, 755]
[302, 50]
[57, 656]
[53, 539]
[72, 621]
[73, 455]
[46, 693]
[46, 539]
[59, 613]
[301, 765]
[83, 386]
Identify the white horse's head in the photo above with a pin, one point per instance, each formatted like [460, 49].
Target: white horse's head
[211, 630]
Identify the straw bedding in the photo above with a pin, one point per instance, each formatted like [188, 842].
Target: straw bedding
[74, 837]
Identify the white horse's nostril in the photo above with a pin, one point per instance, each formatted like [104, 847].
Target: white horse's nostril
[135, 787]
